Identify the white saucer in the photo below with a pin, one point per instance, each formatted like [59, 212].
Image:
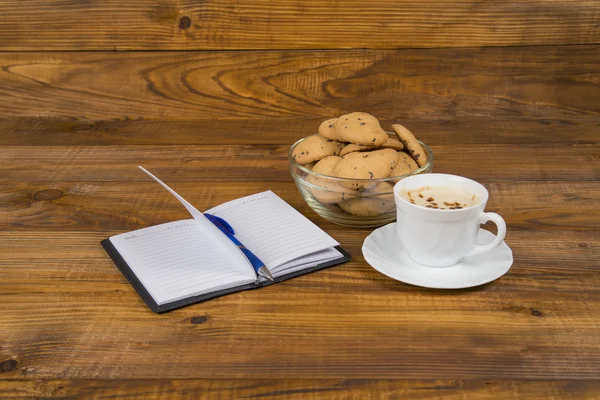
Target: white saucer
[383, 251]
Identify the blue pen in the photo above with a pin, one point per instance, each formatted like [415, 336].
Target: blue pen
[259, 266]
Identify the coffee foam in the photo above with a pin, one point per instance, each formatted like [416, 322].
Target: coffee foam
[440, 197]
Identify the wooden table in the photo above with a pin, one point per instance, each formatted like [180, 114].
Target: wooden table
[70, 324]
[208, 95]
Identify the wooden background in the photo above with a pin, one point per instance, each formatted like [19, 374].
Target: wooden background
[208, 95]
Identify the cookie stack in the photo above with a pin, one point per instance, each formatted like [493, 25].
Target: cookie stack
[355, 147]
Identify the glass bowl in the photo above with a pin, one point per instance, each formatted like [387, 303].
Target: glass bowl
[338, 201]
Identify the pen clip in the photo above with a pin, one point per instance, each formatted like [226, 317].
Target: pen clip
[225, 224]
[220, 223]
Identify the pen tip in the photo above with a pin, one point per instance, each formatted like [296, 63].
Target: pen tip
[263, 271]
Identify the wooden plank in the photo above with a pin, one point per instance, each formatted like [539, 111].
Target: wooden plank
[539, 249]
[457, 131]
[269, 163]
[391, 84]
[100, 206]
[262, 24]
[372, 331]
[310, 389]
[35, 262]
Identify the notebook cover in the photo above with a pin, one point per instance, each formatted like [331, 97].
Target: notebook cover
[145, 295]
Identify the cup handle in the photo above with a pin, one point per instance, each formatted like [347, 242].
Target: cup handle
[499, 221]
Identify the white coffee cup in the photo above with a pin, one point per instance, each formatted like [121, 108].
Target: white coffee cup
[441, 238]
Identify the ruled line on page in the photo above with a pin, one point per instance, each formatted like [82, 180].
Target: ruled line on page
[178, 259]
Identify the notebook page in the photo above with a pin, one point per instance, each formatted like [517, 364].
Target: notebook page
[179, 259]
[309, 261]
[272, 229]
[203, 222]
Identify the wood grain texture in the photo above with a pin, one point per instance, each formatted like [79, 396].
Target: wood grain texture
[205, 164]
[521, 115]
[31, 131]
[348, 322]
[391, 84]
[313, 389]
[73, 315]
[99, 206]
[544, 259]
[262, 24]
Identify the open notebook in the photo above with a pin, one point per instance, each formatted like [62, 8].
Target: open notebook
[179, 263]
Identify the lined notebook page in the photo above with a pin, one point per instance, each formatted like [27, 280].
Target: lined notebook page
[179, 259]
[304, 262]
[272, 229]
